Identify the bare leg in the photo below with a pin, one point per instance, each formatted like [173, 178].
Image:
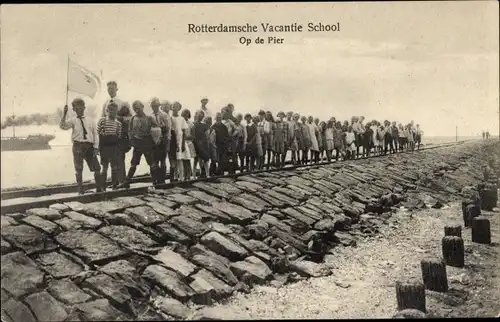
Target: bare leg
[180, 170]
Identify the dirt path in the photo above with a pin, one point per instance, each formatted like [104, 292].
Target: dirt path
[362, 284]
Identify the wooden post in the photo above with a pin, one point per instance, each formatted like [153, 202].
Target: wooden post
[434, 275]
[481, 230]
[410, 295]
[453, 251]
[489, 197]
[472, 211]
[464, 210]
[454, 230]
[409, 314]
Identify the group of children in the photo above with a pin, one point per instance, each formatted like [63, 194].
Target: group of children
[218, 143]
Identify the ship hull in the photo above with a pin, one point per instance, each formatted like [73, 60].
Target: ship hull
[31, 143]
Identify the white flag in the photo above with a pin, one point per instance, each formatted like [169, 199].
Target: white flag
[83, 81]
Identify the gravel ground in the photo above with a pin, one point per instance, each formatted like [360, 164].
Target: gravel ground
[362, 283]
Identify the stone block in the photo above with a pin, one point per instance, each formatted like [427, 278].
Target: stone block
[145, 215]
[20, 274]
[58, 265]
[223, 246]
[45, 307]
[168, 280]
[42, 224]
[17, 311]
[93, 247]
[175, 262]
[67, 292]
[128, 237]
[45, 213]
[28, 238]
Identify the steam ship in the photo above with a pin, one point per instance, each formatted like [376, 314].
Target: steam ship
[29, 143]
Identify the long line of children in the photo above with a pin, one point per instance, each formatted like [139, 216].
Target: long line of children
[220, 143]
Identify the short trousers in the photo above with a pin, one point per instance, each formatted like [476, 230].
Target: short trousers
[85, 151]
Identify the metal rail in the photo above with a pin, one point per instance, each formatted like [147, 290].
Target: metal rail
[102, 196]
[63, 188]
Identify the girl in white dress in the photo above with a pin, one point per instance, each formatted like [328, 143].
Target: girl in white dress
[350, 140]
[313, 132]
[381, 137]
[180, 128]
[189, 169]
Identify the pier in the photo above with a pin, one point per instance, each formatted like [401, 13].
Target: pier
[148, 254]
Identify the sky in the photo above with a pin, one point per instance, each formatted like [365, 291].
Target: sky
[436, 63]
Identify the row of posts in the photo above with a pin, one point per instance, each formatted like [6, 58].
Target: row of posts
[411, 295]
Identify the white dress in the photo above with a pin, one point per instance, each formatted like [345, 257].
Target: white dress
[350, 140]
[312, 133]
[179, 124]
[374, 128]
[382, 136]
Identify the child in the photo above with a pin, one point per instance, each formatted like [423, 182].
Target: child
[418, 137]
[395, 136]
[313, 133]
[186, 161]
[350, 140]
[213, 146]
[179, 151]
[269, 148]
[124, 141]
[142, 142]
[264, 131]
[329, 140]
[338, 141]
[252, 146]
[222, 143]
[321, 139]
[109, 130]
[388, 145]
[381, 137]
[231, 155]
[295, 138]
[161, 148]
[306, 140]
[201, 143]
[85, 143]
[411, 141]
[374, 139]
[367, 140]
[279, 134]
[241, 141]
[402, 137]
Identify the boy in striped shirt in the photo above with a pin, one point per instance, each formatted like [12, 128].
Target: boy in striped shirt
[109, 130]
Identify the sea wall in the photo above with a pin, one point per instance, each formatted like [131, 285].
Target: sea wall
[146, 257]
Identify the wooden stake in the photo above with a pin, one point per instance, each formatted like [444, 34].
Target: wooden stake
[434, 275]
[454, 230]
[472, 211]
[453, 251]
[489, 198]
[464, 210]
[410, 295]
[481, 230]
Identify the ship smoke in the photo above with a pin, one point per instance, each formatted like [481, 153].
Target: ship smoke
[42, 119]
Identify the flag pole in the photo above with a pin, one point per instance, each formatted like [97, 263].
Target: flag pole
[67, 81]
